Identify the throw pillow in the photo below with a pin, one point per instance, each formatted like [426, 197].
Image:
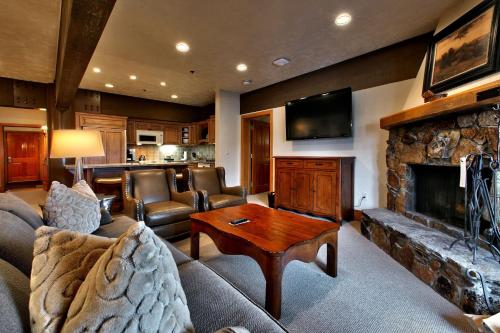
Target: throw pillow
[75, 208]
[235, 329]
[133, 287]
[62, 259]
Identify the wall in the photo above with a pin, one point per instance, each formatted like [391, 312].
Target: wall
[23, 116]
[228, 134]
[393, 63]
[367, 144]
[414, 97]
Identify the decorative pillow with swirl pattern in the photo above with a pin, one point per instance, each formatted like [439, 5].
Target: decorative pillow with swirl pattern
[133, 287]
[61, 261]
[75, 208]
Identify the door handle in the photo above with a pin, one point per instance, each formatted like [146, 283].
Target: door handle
[9, 159]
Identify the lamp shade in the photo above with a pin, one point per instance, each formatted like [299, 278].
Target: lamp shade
[76, 143]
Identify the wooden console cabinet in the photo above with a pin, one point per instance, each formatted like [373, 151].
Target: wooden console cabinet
[322, 186]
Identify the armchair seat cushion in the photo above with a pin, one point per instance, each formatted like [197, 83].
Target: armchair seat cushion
[165, 212]
[216, 201]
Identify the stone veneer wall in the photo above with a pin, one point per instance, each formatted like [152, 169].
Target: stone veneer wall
[438, 141]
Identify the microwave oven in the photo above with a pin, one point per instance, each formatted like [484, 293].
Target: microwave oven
[144, 137]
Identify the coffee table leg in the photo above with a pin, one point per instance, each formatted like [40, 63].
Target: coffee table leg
[195, 245]
[273, 276]
[331, 258]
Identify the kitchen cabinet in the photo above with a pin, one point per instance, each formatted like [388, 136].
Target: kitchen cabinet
[148, 125]
[113, 135]
[171, 135]
[211, 129]
[321, 186]
[131, 137]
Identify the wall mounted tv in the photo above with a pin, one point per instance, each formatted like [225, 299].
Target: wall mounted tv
[327, 115]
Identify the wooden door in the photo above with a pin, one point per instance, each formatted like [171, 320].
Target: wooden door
[284, 191]
[260, 156]
[324, 192]
[171, 135]
[115, 146]
[23, 156]
[44, 160]
[302, 190]
[96, 159]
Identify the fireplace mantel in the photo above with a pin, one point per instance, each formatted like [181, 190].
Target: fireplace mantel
[464, 101]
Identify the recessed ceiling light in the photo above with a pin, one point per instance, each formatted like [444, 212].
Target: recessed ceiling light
[246, 82]
[109, 85]
[133, 77]
[96, 70]
[42, 109]
[174, 96]
[241, 67]
[182, 47]
[281, 61]
[163, 83]
[343, 19]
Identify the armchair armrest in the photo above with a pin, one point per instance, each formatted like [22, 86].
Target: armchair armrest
[239, 191]
[203, 198]
[189, 198]
[134, 208]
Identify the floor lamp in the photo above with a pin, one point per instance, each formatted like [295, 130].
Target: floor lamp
[76, 144]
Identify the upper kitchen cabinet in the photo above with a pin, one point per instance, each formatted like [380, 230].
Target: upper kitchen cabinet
[113, 134]
[202, 132]
[171, 134]
[211, 129]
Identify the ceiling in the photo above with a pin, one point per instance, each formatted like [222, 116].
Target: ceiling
[140, 39]
[28, 33]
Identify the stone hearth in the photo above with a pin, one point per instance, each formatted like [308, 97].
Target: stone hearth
[425, 252]
[423, 160]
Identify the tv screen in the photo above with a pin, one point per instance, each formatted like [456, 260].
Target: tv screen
[327, 115]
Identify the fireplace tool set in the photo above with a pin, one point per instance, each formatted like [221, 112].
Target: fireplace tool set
[482, 202]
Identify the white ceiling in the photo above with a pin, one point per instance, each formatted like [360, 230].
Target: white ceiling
[140, 37]
[28, 39]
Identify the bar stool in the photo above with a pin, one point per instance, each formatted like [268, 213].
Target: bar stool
[110, 185]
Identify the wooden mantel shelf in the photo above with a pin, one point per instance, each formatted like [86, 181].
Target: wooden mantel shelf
[463, 101]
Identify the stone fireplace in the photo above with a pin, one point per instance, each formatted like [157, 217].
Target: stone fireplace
[425, 205]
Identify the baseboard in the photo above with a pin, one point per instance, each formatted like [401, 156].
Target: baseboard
[357, 215]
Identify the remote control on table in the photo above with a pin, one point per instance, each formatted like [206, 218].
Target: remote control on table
[239, 221]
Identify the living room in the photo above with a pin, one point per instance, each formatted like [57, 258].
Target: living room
[242, 166]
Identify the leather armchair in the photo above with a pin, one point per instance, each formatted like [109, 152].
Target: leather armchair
[151, 196]
[210, 183]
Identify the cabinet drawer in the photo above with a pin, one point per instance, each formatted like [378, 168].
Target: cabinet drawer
[320, 164]
[290, 163]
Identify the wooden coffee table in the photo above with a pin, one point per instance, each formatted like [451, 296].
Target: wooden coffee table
[273, 238]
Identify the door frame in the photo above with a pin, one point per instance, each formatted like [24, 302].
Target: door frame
[245, 147]
[3, 145]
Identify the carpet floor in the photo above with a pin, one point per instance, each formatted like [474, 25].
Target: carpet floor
[372, 292]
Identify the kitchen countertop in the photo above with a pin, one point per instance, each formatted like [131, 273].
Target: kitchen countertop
[131, 164]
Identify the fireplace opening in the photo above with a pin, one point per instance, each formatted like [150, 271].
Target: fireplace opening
[438, 193]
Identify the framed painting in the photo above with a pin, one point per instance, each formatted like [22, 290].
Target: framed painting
[465, 50]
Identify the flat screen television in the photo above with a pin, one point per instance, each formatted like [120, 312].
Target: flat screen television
[327, 115]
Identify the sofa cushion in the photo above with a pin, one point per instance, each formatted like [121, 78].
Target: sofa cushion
[75, 208]
[16, 242]
[14, 205]
[165, 212]
[225, 200]
[62, 259]
[14, 298]
[133, 287]
[179, 257]
[115, 229]
[214, 303]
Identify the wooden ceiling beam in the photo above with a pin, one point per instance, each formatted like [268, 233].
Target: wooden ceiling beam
[81, 27]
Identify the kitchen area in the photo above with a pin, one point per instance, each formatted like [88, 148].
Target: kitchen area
[135, 143]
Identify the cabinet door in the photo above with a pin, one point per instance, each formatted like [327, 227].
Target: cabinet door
[284, 192]
[131, 137]
[324, 192]
[171, 134]
[211, 130]
[148, 126]
[302, 190]
[115, 146]
[97, 159]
